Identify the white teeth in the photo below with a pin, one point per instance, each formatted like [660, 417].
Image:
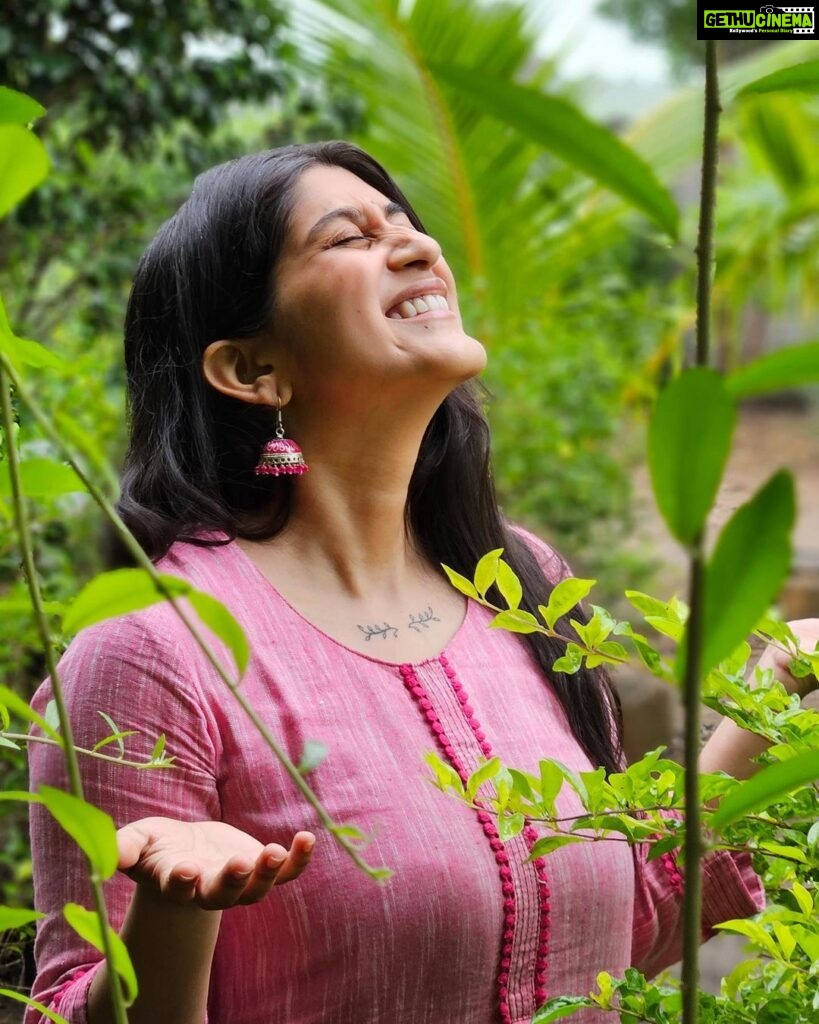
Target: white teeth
[420, 304]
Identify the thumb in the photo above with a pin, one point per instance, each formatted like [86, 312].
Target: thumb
[130, 844]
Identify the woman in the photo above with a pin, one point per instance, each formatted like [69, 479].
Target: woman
[301, 280]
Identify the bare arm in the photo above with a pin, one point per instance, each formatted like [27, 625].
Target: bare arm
[731, 749]
[186, 874]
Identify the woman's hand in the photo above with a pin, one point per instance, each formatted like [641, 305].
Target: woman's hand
[806, 632]
[207, 863]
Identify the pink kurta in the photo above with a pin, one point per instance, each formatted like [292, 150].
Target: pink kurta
[464, 932]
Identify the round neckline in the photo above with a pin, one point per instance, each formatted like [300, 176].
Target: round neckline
[268, 584]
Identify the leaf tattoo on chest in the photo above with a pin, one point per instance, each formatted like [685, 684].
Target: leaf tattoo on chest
[421, 620]
[383, 631]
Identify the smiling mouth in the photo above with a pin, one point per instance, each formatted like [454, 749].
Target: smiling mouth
[421, 304]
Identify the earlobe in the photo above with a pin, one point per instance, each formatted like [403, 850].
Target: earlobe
[233, 368]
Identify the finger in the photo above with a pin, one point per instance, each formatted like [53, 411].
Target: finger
[130, 844]
[268, 865]
[181, 882]
[298, 857]
[224, 888]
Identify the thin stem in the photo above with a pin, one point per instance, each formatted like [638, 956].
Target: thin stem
[20, 737]
[142, 560]
[693, 848]
[41, 623]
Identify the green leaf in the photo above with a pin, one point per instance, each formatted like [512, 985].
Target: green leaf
[510, 825]
[460, 582]
[552, 778]
[516, 622]
[23, 351]
[88, 926]
[17, 706]
[801, 77]
[23, 165]
[689, 438]
[646, 604]
[486, 571]
[17, 108]
[509, 585]
[563, 598]
[92, 829]
[42, 478]
[747, 568]
[8, 993]
[483, 774]
[755, 932]
[571, 661]
[311, 756]
[16, 917]
[562, 129]
[791, 367]
[445, 775]
[117, 593]
[560, 1007]
[765, 788]
[218, 619]
[551, 843]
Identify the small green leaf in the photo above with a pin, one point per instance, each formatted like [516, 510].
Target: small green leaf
[159, 748]
[510, 825]
[689, 438]
[88, 926]
[483, 774]
[486, 571]
[461, 582]
[8, 993]
[92, 829]
[218, 619]
[42, 478]
[445, 775]
[16, 917]
[23, 351]
[803, 898]
[552, 778]
[23, 165]
[509, 585]
[17, 108]
[117, 593]
[312, 756]
[565, 596]
[551, 843]
[571, 661]
[765, 788]
[755, 932]
[799, 77]
[646, 604]
[791, 367]
[17, 706]
[52, 715]
[516, 622]
[560, 1007]
[747, 568]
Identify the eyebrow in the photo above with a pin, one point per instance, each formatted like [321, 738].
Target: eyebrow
[352, 213]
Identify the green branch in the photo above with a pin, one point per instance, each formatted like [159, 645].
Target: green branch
[41, 623]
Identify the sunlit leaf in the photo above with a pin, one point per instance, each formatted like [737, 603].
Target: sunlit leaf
[516, 622]
[9, 993]
[565, 596]
[551, 843]
[42, 478]
[747, 569]
[799, 77]
[88, 926]
[16, 917]
[92, 829]
[689, 439]
[560, 1007]
[510, 825]
[766, 787]
[17, 108]
[219, 619]
[17, 706]
[23, 351]
[793, 367]
[23, 165]
[509, 585]
[486, 571]
[117, 593]
[562, 129]
[461, 582]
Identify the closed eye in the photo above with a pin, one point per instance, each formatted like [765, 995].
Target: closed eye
[346, 239]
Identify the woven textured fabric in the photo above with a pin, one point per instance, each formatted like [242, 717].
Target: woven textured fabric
[465, 932]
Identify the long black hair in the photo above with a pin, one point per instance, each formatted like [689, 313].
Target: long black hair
[210, 274]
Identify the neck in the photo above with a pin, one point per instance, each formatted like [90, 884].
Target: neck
[348, 519]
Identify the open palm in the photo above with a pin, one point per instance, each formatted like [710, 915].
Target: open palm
[209, 863]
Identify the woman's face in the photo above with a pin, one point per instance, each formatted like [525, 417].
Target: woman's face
[366, 309]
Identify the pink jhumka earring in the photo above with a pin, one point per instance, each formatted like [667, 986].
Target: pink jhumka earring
[280, 456]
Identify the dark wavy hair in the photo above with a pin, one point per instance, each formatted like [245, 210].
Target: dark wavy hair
[210, 274]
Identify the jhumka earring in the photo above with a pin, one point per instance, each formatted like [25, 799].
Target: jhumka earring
[280, 456]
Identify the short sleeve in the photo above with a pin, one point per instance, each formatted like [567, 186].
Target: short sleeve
[730, 889]
[142, 673]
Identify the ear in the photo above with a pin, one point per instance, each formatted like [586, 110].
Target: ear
[244, 370]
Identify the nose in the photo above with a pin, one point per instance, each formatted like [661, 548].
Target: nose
[413, 248]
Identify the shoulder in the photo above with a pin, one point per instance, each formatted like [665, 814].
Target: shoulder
[553, 565]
